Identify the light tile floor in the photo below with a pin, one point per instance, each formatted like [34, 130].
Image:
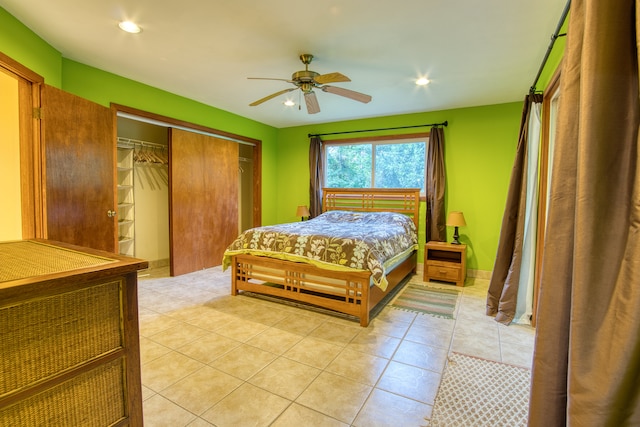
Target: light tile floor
[210, 359]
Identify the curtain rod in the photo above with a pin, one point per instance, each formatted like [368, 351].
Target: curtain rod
[445, 123]
[555, 35]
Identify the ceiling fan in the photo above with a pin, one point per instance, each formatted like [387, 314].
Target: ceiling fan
[308, 80]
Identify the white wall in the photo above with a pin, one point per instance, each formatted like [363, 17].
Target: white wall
[152, 216]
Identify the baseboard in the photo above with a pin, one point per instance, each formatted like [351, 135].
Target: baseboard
[479, 274]
[159, 263]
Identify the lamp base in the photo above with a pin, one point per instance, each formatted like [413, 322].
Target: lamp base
[455, 237]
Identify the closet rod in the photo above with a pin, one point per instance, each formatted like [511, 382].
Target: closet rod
[134, 142]
[555, 36]
[445, 123]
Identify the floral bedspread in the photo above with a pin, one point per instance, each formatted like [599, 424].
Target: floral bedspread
[334, 240]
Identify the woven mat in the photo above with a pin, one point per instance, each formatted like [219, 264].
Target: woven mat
[22, 259]
[479, 392]
[427, 300]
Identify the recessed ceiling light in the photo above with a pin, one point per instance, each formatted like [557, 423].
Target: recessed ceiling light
[129, 27]
[422, 81]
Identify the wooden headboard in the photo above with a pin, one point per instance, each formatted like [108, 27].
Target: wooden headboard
[401, 200]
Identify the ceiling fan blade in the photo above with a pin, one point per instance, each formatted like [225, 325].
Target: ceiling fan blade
[312, 102]
[351, 94]
[273, 95]
[331, 78]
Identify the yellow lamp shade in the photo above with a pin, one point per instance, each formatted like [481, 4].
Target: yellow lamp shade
[302, 211]
[456, 219]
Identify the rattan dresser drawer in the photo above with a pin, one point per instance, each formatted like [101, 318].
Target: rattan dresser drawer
[54, 333]
[70, 346]
[94, 397]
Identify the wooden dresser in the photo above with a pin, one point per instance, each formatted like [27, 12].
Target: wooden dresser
[446, 262]
[70, 352]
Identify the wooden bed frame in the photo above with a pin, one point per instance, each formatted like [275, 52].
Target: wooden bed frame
[348, 292]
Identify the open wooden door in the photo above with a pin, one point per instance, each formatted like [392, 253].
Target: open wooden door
[203, 199]
[79, 170]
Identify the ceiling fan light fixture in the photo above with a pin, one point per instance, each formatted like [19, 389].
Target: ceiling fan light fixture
[306, 81]
[129, 27]
[422, 81]
[289, 103]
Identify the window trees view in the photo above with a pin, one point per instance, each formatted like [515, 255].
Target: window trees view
[378, 164]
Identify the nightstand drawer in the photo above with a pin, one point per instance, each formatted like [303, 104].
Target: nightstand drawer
[443, 272]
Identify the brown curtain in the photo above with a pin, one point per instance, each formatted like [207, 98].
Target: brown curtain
[503, 287]
[316, 172]
[435, 229]
[586, 368]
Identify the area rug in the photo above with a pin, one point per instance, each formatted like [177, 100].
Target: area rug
[427, 300]
[478, 392]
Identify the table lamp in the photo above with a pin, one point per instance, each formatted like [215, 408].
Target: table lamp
[302, 212]
[456, 219]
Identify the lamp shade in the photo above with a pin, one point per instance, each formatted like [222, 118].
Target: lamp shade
[456, 219]
[302, 211]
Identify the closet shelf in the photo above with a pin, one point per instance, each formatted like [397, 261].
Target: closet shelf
[126, 198]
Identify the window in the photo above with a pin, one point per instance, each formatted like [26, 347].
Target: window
[389, 162]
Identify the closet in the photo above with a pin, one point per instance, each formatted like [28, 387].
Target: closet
[183, 195]
[143, 191]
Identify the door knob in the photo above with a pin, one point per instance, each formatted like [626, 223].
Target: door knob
[111, 213]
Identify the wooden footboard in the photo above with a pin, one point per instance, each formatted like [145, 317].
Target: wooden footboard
[346, 292]
[342, 291]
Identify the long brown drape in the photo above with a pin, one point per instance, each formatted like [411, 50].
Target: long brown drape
[316, 171]
[586, 369]
[435, 229]
[505, 278]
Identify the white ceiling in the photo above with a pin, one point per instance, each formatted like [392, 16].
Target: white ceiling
[474, 52]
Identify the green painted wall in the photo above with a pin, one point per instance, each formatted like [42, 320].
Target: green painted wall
[23, 45]
[480, 145]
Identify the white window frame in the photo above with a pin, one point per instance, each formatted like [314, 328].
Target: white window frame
[379, 140]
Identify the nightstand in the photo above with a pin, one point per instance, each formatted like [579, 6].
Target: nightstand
[445, 262]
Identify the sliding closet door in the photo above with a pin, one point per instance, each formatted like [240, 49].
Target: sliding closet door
[80, 170]
[203, 199]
